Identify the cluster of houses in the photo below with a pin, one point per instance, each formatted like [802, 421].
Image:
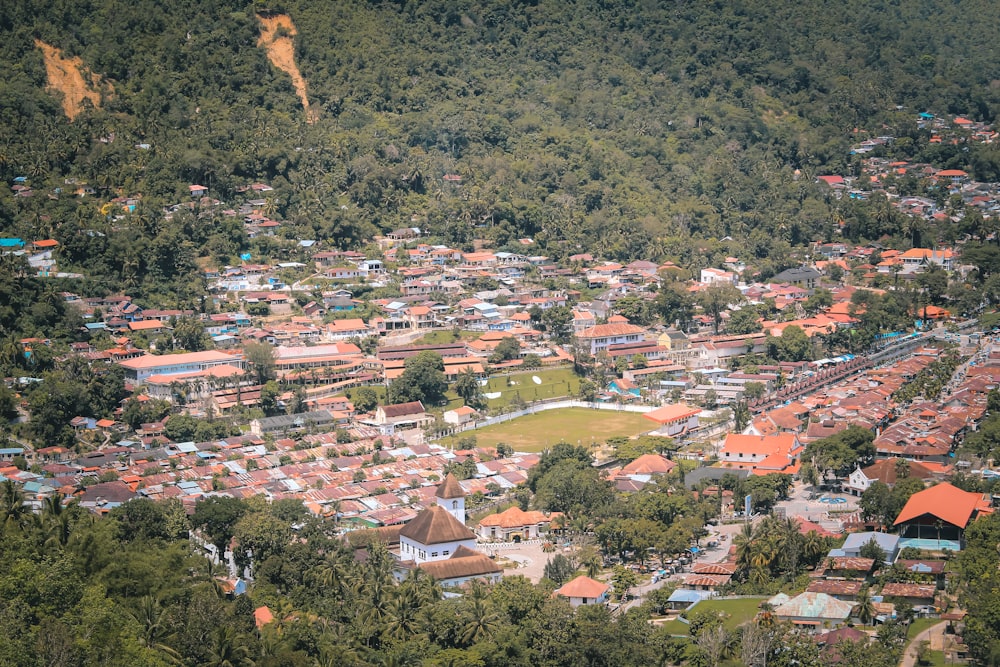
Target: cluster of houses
[373, 471]
[882, 173]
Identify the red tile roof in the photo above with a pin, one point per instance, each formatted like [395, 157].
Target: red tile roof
[514, 517]
[649, 464]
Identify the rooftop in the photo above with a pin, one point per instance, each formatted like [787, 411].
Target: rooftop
[583, 587]
[436, 525]
[946, 502]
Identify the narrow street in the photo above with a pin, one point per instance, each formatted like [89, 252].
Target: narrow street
[910, 654]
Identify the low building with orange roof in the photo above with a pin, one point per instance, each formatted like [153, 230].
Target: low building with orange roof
[647, 465]
[584, 590]
[262, 616]
[460, 416]
[936, 518]
[674, 419]
[601, 336]
[515, 524]
[916, 258]
[761, 455]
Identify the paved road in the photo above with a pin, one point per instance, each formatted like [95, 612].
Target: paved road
[722, 534]
[910, 654]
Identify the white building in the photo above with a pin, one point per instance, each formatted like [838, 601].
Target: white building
[140, 368]
[439, 543]
[460, 416]
[709, 276]
[584, 590]
[602, 336]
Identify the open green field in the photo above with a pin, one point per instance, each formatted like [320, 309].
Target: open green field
[444, 336]
[919, 625]
[541, 430]
[735, 613]
[555, 382]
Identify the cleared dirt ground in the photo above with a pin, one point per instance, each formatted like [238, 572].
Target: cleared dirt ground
[276, 38]
[68, 76]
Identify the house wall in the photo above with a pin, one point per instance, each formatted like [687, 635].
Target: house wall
[577, 602]
[674, 428]
[419, 553]
[528, 532]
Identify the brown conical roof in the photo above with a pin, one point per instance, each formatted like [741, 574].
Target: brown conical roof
[450, 488]
[436, 525]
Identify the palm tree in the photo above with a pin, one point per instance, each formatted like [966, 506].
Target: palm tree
[744, 541]
[332, 576]
[813, 547]
[482, 621]
[59, 530]
[865, 609]
[15, 514]
[404, 612]
[227, 651]
[427, 587]
[153, 629]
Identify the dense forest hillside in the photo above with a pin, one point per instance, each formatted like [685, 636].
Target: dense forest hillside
[640, 129]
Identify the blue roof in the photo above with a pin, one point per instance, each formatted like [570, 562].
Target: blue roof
[685, 595]
[11, 243]
[11, 451]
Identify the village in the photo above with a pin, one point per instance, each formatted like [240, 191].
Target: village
[715, 378]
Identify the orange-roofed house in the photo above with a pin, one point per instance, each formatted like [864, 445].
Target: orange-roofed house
[954, 175]
[930, 312]
[460, 416]
[420, 317]
[918, 257]
[649, 464]
[674, 419]
[936, 518]
[140, 368]
[514, 524]
[762, 454]
[262, 616]
[602, 336]
[148, 326]
[584, 590]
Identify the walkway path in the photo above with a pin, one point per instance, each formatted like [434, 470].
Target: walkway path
[910, 654]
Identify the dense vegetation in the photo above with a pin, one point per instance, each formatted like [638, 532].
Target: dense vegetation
[126, 590]
[640, 130]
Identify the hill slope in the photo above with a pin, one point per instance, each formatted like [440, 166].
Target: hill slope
[629, 127]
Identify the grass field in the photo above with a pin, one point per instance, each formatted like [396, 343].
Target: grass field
[444, 336]
[919, 625]
[541, 430]
[735, 613]
[555, 382]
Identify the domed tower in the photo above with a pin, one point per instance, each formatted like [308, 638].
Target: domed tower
[451, 497]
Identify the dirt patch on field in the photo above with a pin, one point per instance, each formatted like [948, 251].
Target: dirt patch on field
[276, 33]
[69, 77]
